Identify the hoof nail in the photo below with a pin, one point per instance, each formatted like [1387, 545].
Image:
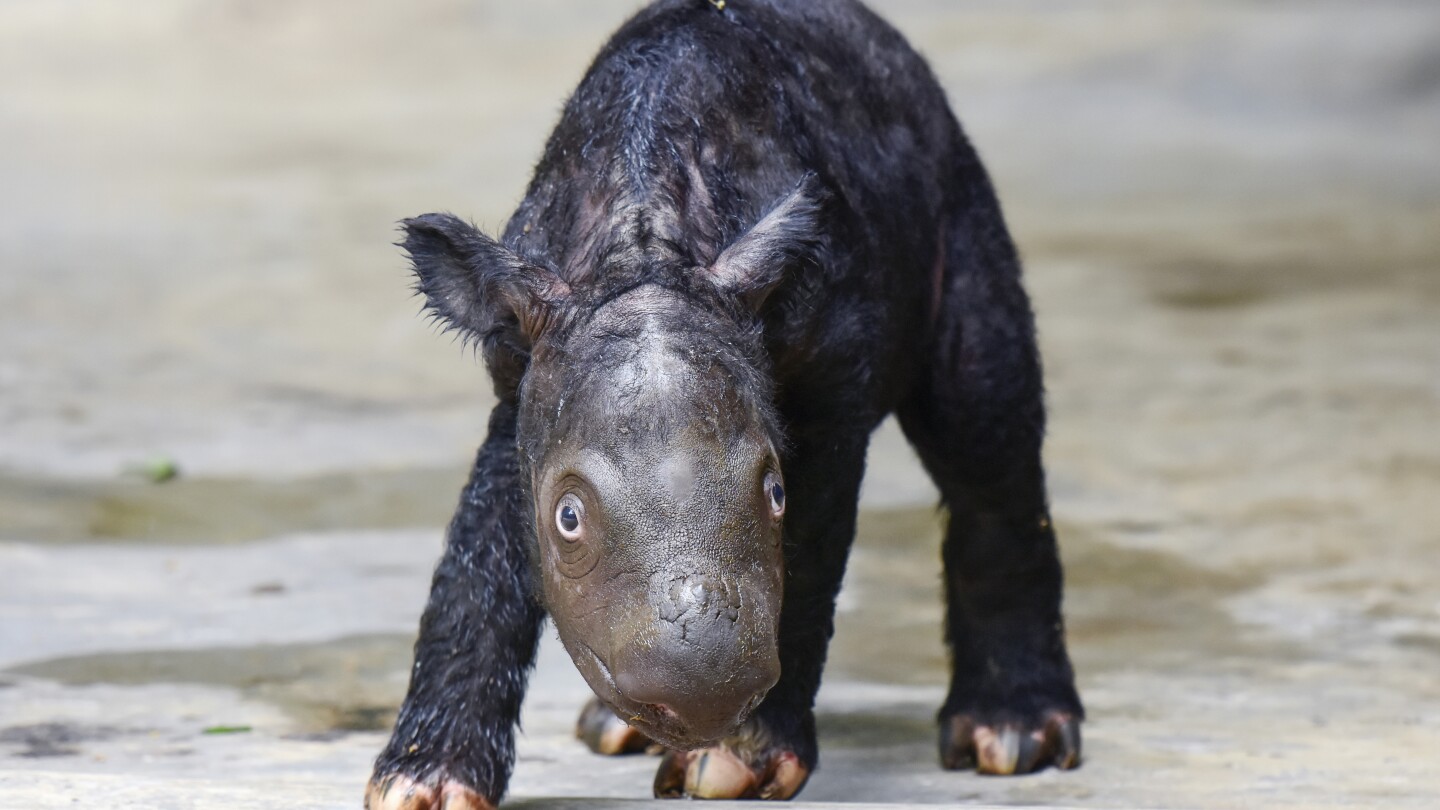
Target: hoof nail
[717, 774]
[398, 793]
[957, 743]
[1066, 732]
[997, 752]
[454, 797]
[723, 773]
[618, 738]
[1011, 748]
[606, 734]
[1034, 748]
[787, 779]
[670, 777]
[404, 793]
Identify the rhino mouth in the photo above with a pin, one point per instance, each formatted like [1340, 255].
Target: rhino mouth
[657, 722]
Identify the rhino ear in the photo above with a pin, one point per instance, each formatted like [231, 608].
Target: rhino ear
[476, 285]
[755, 263]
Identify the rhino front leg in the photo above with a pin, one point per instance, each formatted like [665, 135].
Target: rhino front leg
[454, 742]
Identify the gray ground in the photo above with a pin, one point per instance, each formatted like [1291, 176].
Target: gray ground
[1231, 214]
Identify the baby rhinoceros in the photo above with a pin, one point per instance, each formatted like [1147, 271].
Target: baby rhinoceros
[756, 231]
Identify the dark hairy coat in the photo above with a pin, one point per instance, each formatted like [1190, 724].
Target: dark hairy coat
[789, 174]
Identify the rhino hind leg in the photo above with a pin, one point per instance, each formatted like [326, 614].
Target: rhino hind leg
[976, 417]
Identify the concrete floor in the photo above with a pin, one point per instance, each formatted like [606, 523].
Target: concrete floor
[1231, 215]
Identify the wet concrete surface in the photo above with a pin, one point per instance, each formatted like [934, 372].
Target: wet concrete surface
[1229, 212]
[206, 511]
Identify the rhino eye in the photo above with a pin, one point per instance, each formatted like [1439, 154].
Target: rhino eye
[776, 491]
[567, 517]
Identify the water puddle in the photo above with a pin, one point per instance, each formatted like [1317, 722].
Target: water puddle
[1126, 607]
[351, 684]
[48, 740]
[1275, 261]
[882, 727]
[888, 626]
[1142, 608]
[218, 511]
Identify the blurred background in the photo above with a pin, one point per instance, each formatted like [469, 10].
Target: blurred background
[228, 443]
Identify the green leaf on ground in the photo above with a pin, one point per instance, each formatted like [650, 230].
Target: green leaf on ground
[161, 469]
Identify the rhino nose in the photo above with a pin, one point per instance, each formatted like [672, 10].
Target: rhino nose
[707, 705]
[708, 659]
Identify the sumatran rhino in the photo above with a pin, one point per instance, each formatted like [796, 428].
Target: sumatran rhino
[756, 231]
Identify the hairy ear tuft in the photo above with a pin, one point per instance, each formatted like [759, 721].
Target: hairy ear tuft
[789, 233]
[479, 287]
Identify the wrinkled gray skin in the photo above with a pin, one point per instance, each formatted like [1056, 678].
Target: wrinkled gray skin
[668, 600]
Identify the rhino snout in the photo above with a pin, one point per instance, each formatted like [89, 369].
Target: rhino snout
[707, 660]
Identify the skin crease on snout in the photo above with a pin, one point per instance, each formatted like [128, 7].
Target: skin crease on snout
[658, 525]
